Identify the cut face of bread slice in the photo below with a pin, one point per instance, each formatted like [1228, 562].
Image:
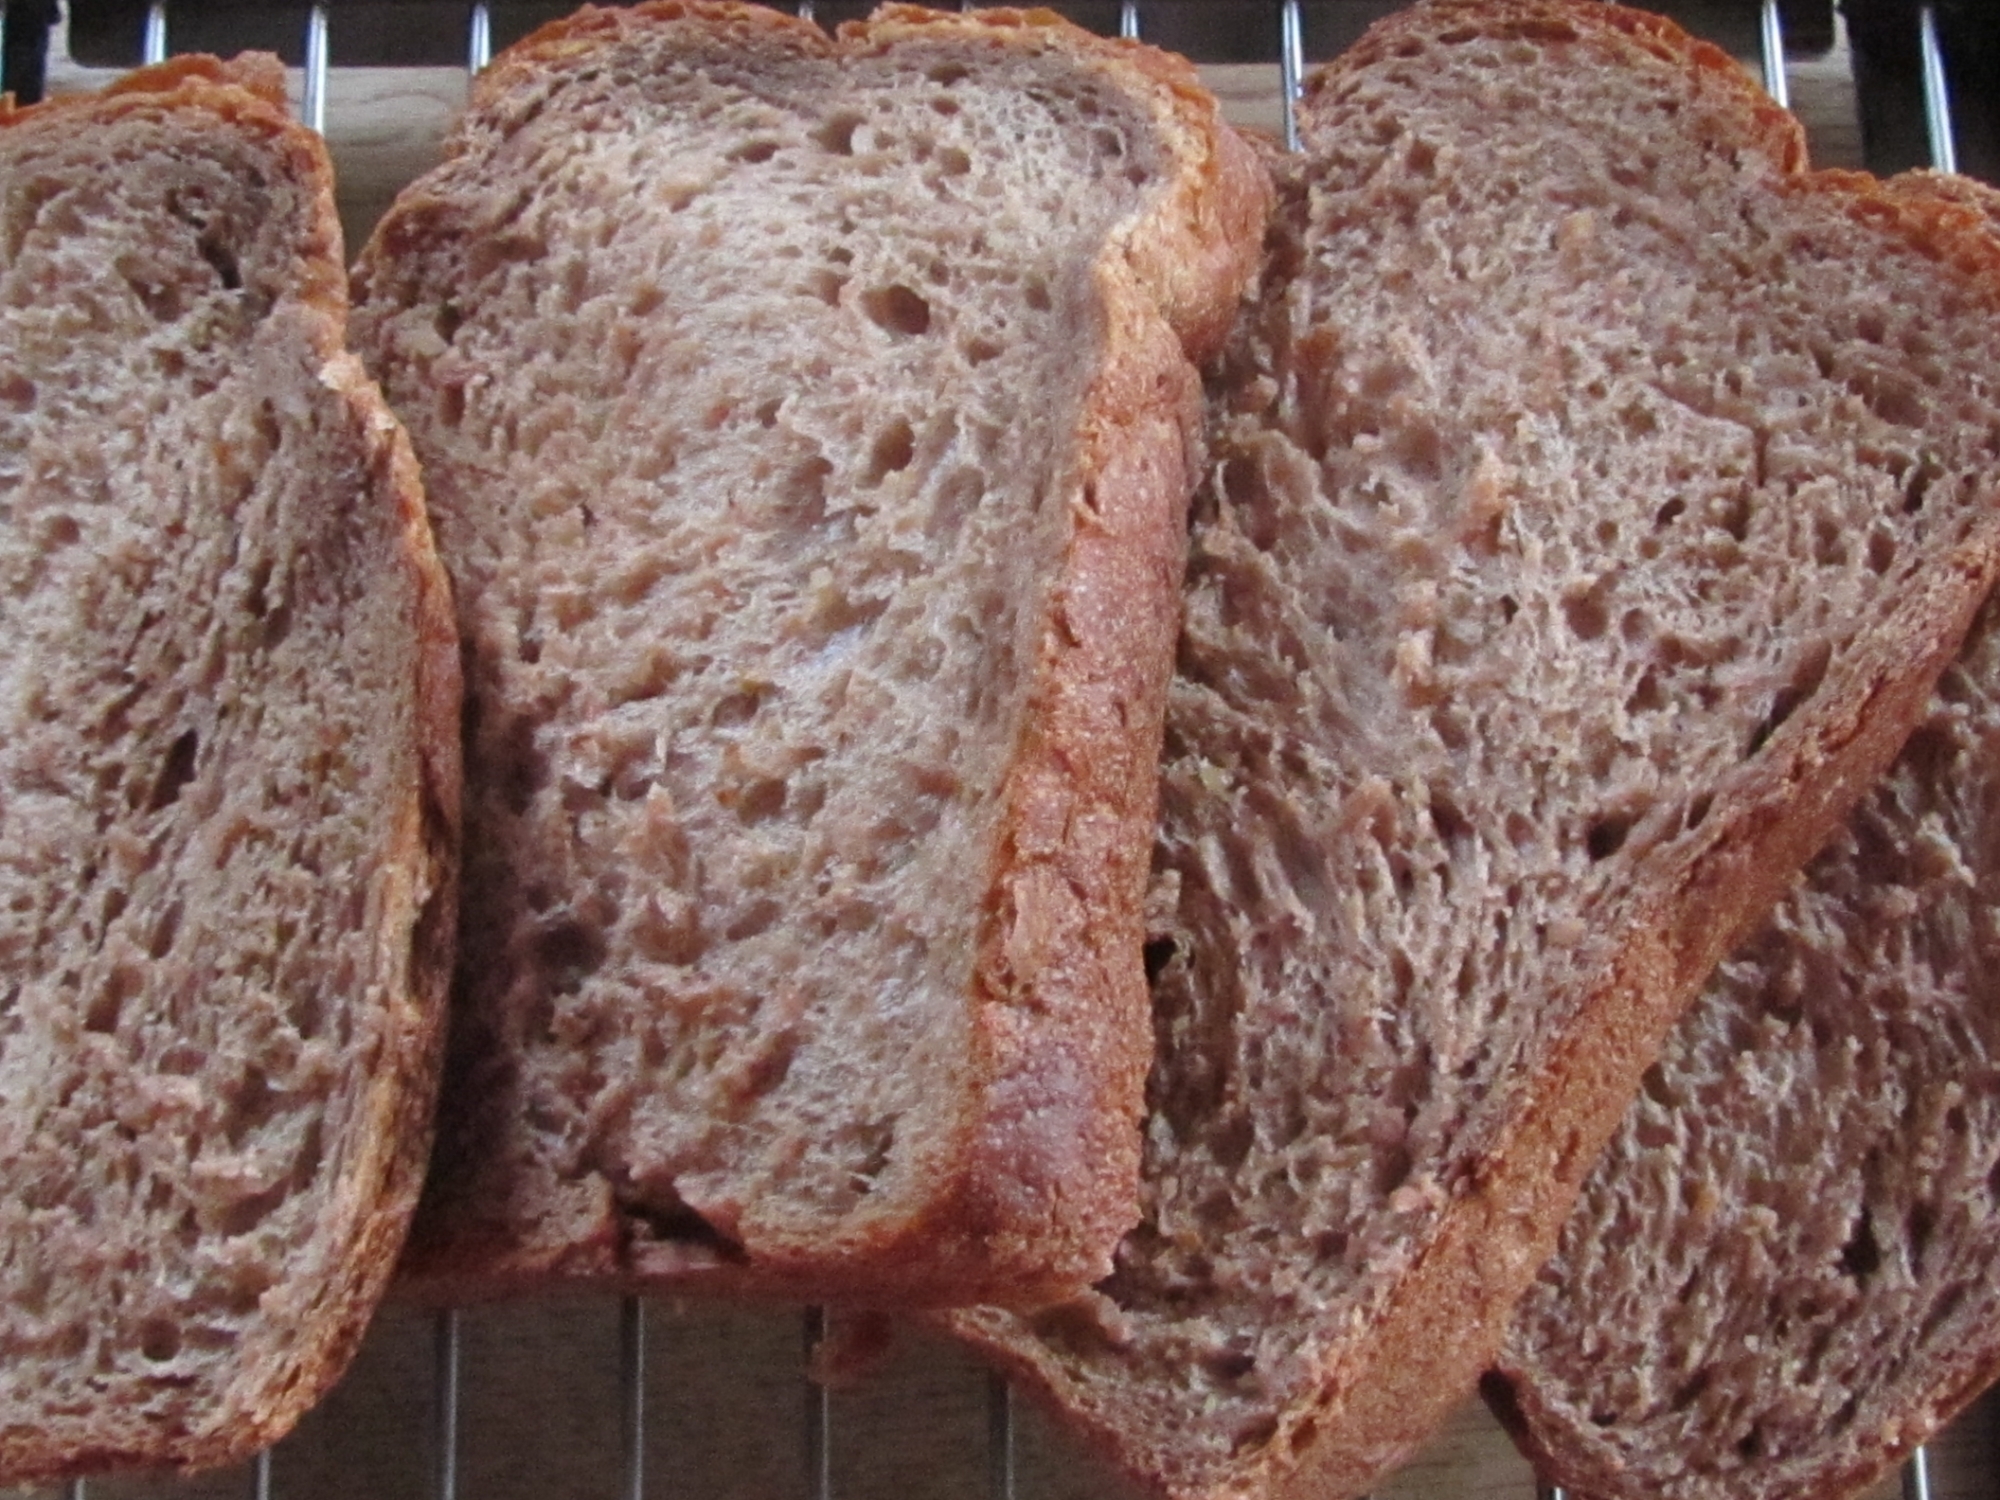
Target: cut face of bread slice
[1599, 495]
[228, 783]
[808, 425]
[1781, 1275]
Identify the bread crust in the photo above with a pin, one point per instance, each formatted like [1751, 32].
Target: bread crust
[1035, 1181]
[376, 1192]
[1432, 1331]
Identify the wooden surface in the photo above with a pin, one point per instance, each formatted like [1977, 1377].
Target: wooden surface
[725, 1411]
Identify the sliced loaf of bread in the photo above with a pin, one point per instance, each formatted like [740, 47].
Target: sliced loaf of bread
[1784, 1272]
[228, 783]
[809, 425]
[1597, 496]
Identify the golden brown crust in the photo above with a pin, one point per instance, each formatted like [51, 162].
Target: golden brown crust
[1060, 1039]
[378, 1193]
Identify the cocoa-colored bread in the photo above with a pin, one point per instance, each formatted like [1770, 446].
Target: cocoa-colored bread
[1784, 1272]
[228, 783]
[1598, 495]
[808, 424]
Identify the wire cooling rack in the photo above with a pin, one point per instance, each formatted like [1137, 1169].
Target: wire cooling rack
[631, 1399]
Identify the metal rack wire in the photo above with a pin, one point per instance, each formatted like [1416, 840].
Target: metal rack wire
[1002, 1467]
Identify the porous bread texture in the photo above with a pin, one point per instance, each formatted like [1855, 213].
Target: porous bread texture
[808, 425]
[1781, 1275]
[228, 783]
[1597, 496]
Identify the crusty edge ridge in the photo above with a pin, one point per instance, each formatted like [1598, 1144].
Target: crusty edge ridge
[1433, 1332]
[1059, 983]
[413, 944]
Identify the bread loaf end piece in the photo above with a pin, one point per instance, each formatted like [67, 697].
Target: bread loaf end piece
[228, 783]
[809, 423]
[1780, 1276]
[1598, 494]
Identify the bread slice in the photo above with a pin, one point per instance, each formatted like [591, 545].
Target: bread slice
[808, 423]
[1598, 496]
[1784, 1272]
[228, 783]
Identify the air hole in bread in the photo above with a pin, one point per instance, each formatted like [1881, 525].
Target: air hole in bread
[664, 1216]
[894, 448]
[107, 1005]
[1229, 1364]
[1035, 292]
[1654, 1085]
[1451, 825]
[761, 799]
[1647, 695]
[222, 260]
[1392, 1169]
[1919, 1225]
[245, 1214]
[277, 625]
[1586, 613]
[1917, 486]
[801, 494]
[1731, 512]
[836, 134]
[1607, 835]
[1807, 674]
[1881, 552]
[739, 707]
[754, 152]
[165, 929]
[1941, 1313]
[1861, 1257]
[569, 951]
[176, 771]
[1669, 513]
[17, 391]
[160, 1340]
[897, 309]
[1685, 1395]
[1697, 811]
